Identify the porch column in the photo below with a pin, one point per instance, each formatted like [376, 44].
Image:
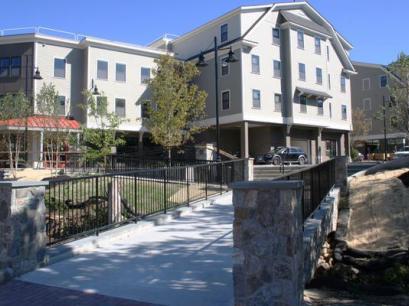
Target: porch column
[348, 144]
[140, 142]
[319, 146]
[244, 145]
[287, 135]
[41, 161]
[342, 145]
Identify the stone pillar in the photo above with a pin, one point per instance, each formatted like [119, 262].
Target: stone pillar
[268, 243]
[341, 172]
[244, 145]
[319, 146]
[114, 202]
[348, 145]
[23, 236]
[342, 145]
[140, 142]
[249, 169]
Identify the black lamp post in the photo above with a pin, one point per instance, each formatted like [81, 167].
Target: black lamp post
[385, 141]
[201, 63]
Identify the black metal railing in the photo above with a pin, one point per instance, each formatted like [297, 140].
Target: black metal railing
[85, 205]
[318, 181]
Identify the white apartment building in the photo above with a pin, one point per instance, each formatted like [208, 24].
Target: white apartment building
[290, 86]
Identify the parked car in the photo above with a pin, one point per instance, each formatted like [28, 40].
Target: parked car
[401, 153]
[283, 156]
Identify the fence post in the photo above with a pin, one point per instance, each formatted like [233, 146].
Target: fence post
[164, 189]
[114, 202]
[207, 173]
[248, 169]
[268, 243]
[221, 177]
[187, 174]
[97, 207]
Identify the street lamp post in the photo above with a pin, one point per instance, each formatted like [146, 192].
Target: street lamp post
[201, 63]
[385, 141]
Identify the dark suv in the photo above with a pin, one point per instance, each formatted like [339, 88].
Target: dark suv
[283, 156]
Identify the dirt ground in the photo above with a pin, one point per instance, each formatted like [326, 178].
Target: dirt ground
[30, 174]
[379, 211]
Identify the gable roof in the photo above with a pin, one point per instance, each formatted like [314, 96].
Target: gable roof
[384, 68]
[304, 22]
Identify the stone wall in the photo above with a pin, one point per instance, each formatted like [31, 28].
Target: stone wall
[267, 235]
[22, 227]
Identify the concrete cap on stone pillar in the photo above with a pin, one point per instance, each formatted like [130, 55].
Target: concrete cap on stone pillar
[23, 184]
[268, 184]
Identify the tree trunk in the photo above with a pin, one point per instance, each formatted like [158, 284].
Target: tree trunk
[169, 157]
[13, 173]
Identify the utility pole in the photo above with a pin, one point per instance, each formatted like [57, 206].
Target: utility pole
[385, 141]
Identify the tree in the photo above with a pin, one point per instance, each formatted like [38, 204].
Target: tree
[100, 139]
[55, 136]
[177, 105]
[361, 127]
[14, 107]
[399, 87]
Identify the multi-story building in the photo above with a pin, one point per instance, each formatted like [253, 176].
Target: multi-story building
[289, 87]
[370, 92]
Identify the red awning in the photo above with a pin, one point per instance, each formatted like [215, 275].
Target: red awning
[43, 122]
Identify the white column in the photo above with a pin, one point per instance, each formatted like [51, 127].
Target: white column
[244, 146]
[40, 164]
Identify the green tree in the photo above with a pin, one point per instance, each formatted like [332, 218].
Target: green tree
[359, 123]
[100, 139]
[55, 135]
[177, 105]
[399, 87]
[17, 107]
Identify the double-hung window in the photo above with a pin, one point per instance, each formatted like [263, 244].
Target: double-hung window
[300, 39]
[343, 83]
[329, 81]
[320, 106]
[224, 32]
[225, 99]
[317, 42]
[225, 66]
[366, 84]
[120, 73]
[318, 74]
[102, 70]
[4, 67]
[367, 104]
[277, 69]
[276, 36]
[256, 98]
[383, 81]
[301, 72]
[59, 68]
[15, 66]
[303, 104]
[255, 64]
[145, 75]
[61, 106]
[277, 103]
[120, 107]
[344, 112]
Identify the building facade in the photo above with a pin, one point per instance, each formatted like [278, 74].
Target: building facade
[289, 87]
[370, 93]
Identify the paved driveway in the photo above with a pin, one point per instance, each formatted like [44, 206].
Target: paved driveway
[187, 261]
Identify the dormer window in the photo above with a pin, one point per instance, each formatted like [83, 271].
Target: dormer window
[300, 39]
[224, 36]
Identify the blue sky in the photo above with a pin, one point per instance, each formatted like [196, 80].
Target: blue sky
[374, 27]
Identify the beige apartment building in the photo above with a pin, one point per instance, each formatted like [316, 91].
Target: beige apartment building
[289, 87]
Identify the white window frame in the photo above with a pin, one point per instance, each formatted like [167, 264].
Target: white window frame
[278, 76]
[59, 105]
[380, 81]
[327, 53]
[224, 25]
[55, 76]
[343, 85]
[320, 110]
[222, 61]
[366, 101]
[276, 41]
[124, 116]
[330, 109]
[252, 98]
[102, 79]
[144, 82]
[221, 98]
[345, 118]
[317, 48]
[363, 84]
[275, 102]
[258, 65]
[329, 81]
[317, 79]
[299, 72]
[116, 73]
[300, 42]
[303, 107]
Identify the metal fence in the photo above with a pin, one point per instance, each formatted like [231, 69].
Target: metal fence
[318, 181]
[87, 205]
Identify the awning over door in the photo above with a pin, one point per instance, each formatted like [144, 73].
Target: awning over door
[309, 93]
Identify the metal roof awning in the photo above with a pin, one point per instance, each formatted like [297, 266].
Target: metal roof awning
[40, 122]
[312, 93]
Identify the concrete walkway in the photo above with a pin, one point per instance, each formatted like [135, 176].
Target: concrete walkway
[187, 261]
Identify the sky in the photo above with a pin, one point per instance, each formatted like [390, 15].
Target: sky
[377, 29]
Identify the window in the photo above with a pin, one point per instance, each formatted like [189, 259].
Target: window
[102, 70]
[303, 104]
[276, 36]
[383, 80]
[61, 106]
[224, 33]
[301, 72]
[15, 66]
[121, 72]
[329, 81]
[366, 84]
[102, 104]
[318, 74]
[317, 42]
[320, 105]
[328, 53]
[145, 75]
[330, 109]
[367, 104]
[59, 68]
[256, 98]
[368, 124]
[277, 69]
[255, 64]
[344, 112]
[343, 83]
[144, 110]
[300, 39]
[225, 99]
[4, 67]
[120, 107]
[224, 66]
[277, 103]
